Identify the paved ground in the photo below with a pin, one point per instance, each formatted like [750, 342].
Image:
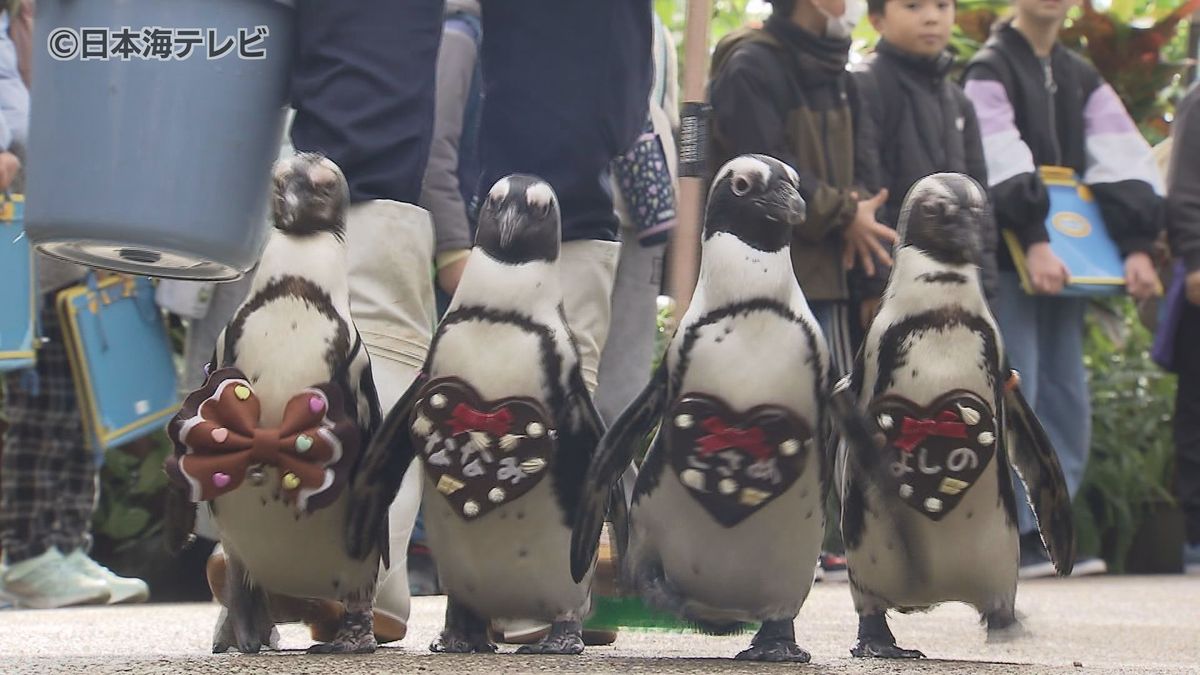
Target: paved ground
[1087, 626]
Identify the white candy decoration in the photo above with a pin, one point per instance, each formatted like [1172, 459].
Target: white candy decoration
[684, 421]
[508, 442]
[471, 508]
[987, 438]
[692, 478]
[535, 430]
[479, 439]
[422, 426]
[969, 415]
[906, 491]
[533, 465]
[789, 447]
[886, 422]
[933, 505]
[496, 495]
[727, 486]
[437, 401]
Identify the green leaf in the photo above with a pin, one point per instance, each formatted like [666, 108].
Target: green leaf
[125, 522]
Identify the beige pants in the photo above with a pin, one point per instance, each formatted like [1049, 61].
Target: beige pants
[391, 248]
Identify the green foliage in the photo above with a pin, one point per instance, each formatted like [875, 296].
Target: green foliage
[132, 482]
[1132, 452]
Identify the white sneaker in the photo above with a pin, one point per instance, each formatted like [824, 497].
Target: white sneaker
[121, 589]
[49, 582]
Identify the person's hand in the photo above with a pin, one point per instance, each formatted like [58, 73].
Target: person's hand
[864, 235]
[451, 273]
[1193, 287]
[1141, 279]
[10, 166]
[1047, 272]
[867, 310]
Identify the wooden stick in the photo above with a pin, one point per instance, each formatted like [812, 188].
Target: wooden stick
[685, 238]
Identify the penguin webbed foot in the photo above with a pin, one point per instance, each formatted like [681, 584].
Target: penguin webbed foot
[775, 642]
[1004, 626]
[465, 632]
[245, 620]
[356, 634]
[565, 637]
[875, 640]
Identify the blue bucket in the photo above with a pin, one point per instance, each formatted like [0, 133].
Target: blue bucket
[156, 160]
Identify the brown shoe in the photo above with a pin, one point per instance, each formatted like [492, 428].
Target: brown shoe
[323, 617]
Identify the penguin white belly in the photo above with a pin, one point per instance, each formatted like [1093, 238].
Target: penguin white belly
[301, 556]
[512, 562]
[972, 553]
[762, 567]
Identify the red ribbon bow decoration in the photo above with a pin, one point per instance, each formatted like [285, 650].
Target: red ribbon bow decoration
[467, 419]
[218, 438]
[914, 431]
[723, 436]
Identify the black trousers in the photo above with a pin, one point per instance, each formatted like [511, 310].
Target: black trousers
[363, 89]
[1187, 420]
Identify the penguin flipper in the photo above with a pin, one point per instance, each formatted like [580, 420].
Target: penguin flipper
[1032, 455]
[610, 462]
[378, 476]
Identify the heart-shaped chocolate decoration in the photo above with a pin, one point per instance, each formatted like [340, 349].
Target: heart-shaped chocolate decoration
[734, 464]
[480, 454]
[936, 452]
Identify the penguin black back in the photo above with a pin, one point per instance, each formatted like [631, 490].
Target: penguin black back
[944, 215]
[519, 221]
[756, 199]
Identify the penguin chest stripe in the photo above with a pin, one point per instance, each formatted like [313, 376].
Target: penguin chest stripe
[735, 463]
[480, 454]
[936, 452]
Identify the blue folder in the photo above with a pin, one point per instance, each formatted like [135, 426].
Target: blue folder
[121, 356]
[18, 305]
[1078, 236]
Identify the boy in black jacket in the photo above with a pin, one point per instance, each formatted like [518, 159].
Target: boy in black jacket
[913, 120]
[1040, 104]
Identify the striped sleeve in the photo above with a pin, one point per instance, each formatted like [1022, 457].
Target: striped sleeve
[1019, 199]
[1122, 173]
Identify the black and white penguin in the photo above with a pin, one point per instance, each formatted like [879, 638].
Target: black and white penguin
[505, 430]
[928, 509]
[727, 509]
[271, 440]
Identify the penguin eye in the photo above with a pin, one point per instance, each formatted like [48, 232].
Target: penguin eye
[740, 185]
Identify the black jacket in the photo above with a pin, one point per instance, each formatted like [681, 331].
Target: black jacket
[914, 122]
[1064, 116]
[1183, 195]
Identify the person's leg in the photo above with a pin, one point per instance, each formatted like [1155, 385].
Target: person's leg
[45, 434]
[1187, 423]
[363, 89]
[1017, 315]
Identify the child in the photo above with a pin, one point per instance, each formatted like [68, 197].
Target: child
[914, 121]
[1039, 104]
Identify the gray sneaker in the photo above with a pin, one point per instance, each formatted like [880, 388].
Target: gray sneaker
[49, 582]
[121, 589]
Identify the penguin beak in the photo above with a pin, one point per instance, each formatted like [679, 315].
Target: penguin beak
[787, 205]
[509, 223]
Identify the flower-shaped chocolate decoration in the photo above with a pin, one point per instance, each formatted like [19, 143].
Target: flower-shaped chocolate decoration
[218, 439]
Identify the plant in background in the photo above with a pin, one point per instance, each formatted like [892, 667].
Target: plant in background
[1131, 463]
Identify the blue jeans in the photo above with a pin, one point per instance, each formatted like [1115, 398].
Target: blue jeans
[835, 319]
[1043, 337]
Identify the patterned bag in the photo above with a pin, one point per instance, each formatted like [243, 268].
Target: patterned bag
[645, 183]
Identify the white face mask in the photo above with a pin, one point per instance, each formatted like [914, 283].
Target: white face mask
[840, 27]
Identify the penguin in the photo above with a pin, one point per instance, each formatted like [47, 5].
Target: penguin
[726, 512]
[271, 440]
[504, 429]
[928, 506]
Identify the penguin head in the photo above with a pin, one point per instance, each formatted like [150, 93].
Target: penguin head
[519, 221]
[309, 195]
[944, 215]
[755, 198]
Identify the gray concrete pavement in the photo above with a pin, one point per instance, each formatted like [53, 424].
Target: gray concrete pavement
[1086, 626]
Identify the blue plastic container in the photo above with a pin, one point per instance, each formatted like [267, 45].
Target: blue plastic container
[154, 166]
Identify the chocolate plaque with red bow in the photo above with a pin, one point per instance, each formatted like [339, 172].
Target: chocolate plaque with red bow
[220, 442]
[937, 451]
[735, 463]
[480, 454]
